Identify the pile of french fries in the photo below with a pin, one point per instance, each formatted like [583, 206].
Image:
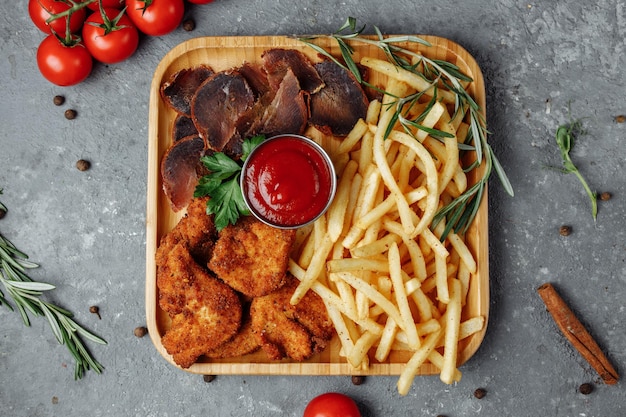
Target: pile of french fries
[388, 282]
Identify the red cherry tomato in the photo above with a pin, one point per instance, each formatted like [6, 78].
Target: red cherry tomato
[63, 65]
[155, 17]
[40, 11]
[114, 46]
[332, 404]
[200, 1]
[107, 4]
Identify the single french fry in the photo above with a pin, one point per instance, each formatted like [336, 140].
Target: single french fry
[461, 248]
[337, 211]
[451, 336]
[437, 359]
[386, 340]
[375, 248]
[353, 137]
[412, 366]
[361, 347]
[373, 110]
[355, 265]
[365, 157]
[395, 273]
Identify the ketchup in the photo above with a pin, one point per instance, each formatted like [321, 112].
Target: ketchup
[288, 181]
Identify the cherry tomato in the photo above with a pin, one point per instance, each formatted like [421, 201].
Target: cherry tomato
[155, 17]
[107, 4]
[200, 1]
[111, 46]
[63, 65]
[40, 11]
[332, 404]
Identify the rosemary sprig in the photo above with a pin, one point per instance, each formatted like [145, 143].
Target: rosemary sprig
[460, 212]
[565, 135]
[26, 295]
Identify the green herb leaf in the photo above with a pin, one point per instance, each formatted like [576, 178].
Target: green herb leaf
[565, 137]
[220, 165]
[222, 186]
[249, 145]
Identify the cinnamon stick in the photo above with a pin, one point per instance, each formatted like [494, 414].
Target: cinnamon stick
[576, 333]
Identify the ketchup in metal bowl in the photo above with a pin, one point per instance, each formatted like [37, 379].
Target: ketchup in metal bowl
[288, 181]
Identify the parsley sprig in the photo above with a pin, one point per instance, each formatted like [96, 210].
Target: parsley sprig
[461, 211]
[27, 294]
[222, 184]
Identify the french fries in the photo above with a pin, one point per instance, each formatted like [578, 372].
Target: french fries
[392, 288]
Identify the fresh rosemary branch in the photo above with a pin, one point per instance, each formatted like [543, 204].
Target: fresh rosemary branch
[460, 212]
[26, 295]
[565, 135]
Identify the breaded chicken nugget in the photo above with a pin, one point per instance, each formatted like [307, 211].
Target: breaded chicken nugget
[196, 229]
[252, 257]
[286, 330]
[205, 312]
[242, 343]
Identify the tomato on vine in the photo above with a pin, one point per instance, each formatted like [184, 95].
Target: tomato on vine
[63, 62]
[41, 10]
[107, 4]
[110, 36]
[155, 17]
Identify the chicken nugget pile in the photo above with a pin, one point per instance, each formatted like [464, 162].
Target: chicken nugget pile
[227, 294]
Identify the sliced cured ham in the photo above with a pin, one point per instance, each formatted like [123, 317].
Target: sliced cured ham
[289, 111]
[340, 104]
[183, 127]
[218, 105]
[277, 61]
[180, 170]
[178, 91]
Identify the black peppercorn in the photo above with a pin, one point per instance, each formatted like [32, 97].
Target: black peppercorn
[189, 25]
[480, 393]
[140, 331]
[70, 114]
[585, 388]
[58, 100]
[605, 196]
[208, 378]
[358, 379]
[83, 165]
[95, 310]
[565, 230]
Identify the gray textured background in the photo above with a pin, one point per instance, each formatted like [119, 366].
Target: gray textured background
[543, 63]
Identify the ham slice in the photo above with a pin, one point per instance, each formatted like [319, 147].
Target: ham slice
[180, 170]
[180, 88]
[277, 61]
[218, 105]
[337, 107]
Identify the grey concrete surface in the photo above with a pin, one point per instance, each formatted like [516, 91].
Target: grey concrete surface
[543, 61]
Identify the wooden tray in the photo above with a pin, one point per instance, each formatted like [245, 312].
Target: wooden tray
[225, 52]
